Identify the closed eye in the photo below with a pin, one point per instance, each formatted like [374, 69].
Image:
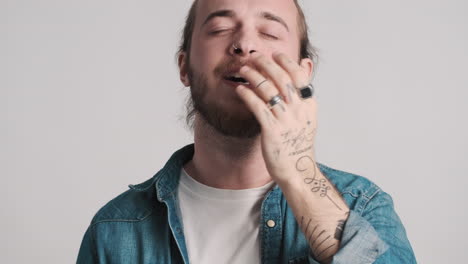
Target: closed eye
[218, 32]
[270, 36]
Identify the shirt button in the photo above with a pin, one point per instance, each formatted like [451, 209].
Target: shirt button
[271, 223]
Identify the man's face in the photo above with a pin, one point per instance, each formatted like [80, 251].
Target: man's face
[263, 26]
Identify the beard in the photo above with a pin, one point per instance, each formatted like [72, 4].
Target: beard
[225, 121]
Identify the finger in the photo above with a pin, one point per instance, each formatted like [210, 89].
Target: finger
[260, 84]
[279, 109]
[257, 106]
[275, 73]
[299, 75]
[264, 88]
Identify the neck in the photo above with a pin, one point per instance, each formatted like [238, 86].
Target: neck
[226, 162]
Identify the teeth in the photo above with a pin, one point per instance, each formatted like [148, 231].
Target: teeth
[237, 78]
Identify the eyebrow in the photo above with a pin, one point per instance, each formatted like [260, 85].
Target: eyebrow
[229, 13]
[273, 17]
[219, 13]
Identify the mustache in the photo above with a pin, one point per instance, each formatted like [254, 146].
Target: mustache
[227, 66]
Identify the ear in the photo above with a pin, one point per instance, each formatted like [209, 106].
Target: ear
[183, 69]
[308, 66]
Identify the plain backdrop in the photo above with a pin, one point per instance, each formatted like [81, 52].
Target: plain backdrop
[91, 102]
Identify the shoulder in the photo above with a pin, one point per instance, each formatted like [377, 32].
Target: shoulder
[133, 205]
[141, 200]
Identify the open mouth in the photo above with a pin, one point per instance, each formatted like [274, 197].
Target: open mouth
[237, 79]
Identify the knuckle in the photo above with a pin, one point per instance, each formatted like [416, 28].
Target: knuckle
[267, 63]
[298, 72]
[258, 108]
[281, 56]
[246, 70]
[287, 61]
[285, 81]
[259, 59]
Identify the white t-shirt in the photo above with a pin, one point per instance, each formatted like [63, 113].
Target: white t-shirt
[220, 225]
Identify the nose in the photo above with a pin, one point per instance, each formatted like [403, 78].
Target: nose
[243, 46]
[241, 51]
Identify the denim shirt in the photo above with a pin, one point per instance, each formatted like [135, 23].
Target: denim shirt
[143, 224]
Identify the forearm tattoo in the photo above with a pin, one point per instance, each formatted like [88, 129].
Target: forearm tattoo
[323, 237]
[322, 242]
[320, 186]
[300, 143]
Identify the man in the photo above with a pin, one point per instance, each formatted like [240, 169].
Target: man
[249, 190]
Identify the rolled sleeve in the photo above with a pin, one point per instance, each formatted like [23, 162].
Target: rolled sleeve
[373, 235]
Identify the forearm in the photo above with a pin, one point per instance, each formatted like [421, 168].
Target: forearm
[318, 207]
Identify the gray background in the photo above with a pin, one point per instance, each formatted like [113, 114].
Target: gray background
[91, 102]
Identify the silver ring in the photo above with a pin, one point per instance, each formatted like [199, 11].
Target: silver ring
[306, 91]
[262, 82]
[274, 101]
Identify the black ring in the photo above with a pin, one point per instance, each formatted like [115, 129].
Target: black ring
[306, 92]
